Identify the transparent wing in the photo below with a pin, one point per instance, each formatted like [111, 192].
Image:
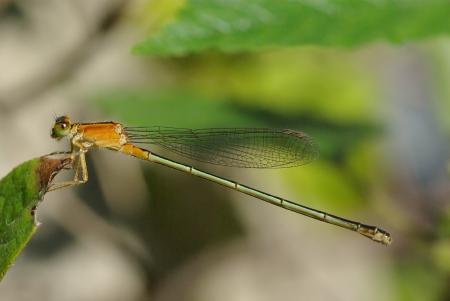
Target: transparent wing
[236, 147]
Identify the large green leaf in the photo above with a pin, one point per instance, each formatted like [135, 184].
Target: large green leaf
[237, 25]
[20, 192]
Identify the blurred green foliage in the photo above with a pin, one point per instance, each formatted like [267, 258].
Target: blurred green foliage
[219, 81]
[327, 84]
[178, 108]
[153, 15]
[237, 25]
[442, 65]
[418, 280]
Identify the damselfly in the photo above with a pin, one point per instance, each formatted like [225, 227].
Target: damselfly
[236, 147]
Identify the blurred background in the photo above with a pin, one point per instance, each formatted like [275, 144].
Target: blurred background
[137, 231]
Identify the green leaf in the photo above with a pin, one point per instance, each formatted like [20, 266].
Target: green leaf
[20, 193]
[173, 108]
[241, 25]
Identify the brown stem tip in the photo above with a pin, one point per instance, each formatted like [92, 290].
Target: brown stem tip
[49, 167]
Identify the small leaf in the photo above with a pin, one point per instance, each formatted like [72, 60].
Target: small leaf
[242, 25]
[20, 193]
